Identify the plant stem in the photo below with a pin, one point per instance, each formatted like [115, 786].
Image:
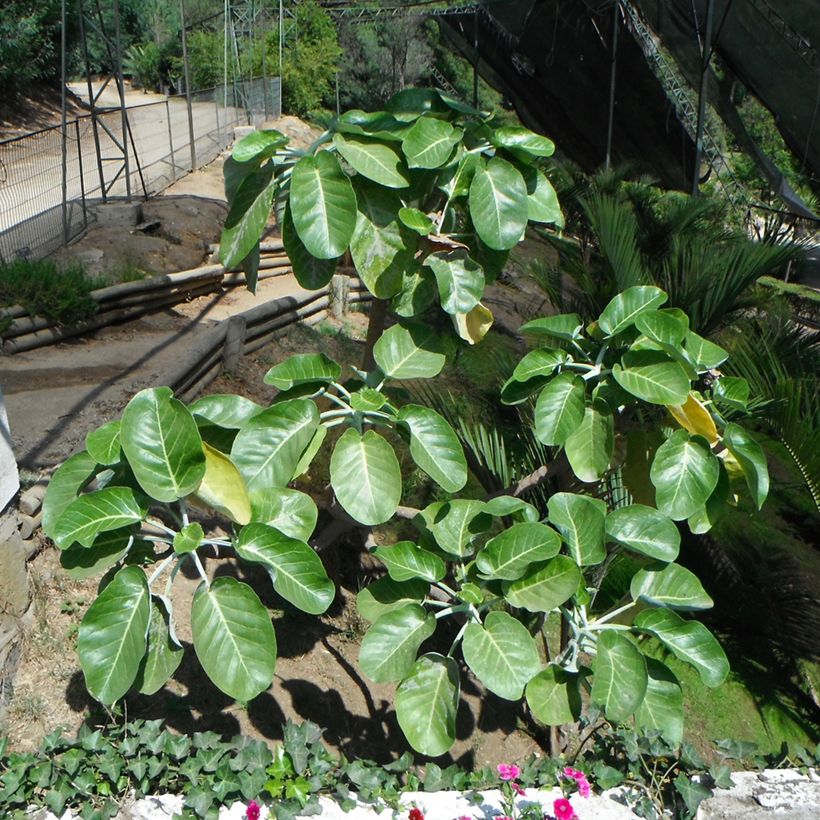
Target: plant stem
[457, 639]
[160, 569]
[200, 569]
[614, 614]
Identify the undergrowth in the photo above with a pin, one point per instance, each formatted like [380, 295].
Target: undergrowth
[43, 289]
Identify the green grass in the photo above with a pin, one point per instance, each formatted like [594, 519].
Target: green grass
[42, 289]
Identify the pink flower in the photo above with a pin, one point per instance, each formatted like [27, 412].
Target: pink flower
[508, 771]
[416, 814]
[563, 809]
[580, 778]
[252, 811]
[518, 790]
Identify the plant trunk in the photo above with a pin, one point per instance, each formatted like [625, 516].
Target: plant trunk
[375, 328]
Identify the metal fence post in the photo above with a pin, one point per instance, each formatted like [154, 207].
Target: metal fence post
[82, 180]
[187, 72]
[171, 140]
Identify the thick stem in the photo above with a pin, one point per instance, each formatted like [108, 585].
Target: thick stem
[375, 328]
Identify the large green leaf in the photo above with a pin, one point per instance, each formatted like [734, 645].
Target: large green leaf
[684, 473]
[233, 638]
[620, 678]
[112, 635]
[666, 327]
[102, 511]
[289, 511]
[108, 549]
[222, 487]
[703, 354]
[644, 530]
[296, 570]
[429, 143]
[381, 247]
[103, 444]
[652, 376]
[733, 391]
[672, 586]
[405, 561]
[502, 654]
[460, 280]
[385, 595]
[625, 308]
[64, 487]
[581, 520]
[418, 292]
[590, 445]
[689, 641]
[522, 139]
[752, 461]
[365, 475]
[258, 145]
[247, 217]
[426, 704]
[542, 201]
[565, 326]
[456, 524]
[553, 696]
[498, 204]
[375, 160]
[161, 441]
[411, 103]
[559, 409]
[546, 588]
[390, 646]
[323, 205]
[434, 446]
[543, 361]
[509, 554]
[410, 351]
[303, 368]
[225, 410]
[268, 448]
[662, 707]
[310, 271]
[164, 653]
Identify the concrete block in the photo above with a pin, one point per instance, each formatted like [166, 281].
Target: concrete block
[9, 480]
[14, 594]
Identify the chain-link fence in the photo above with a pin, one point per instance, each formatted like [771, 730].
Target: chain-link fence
[48, 178]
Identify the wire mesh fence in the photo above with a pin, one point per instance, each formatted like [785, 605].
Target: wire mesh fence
[49, 178]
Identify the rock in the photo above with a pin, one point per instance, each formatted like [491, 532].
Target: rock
[774, 794]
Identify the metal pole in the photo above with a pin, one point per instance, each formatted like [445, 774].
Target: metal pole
[703, 93]
[187, 71]
[337, 94]
[171, 140]
[281, 36]
[64, 134]
[612, 72]
[121, 87]
[80, 163]
[94, 126]
[225, 13]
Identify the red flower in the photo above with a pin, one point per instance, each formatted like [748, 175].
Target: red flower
[563, 809]
[508, 771]
[580, 778]
[416, 814]
[518, 790]
[252, 811]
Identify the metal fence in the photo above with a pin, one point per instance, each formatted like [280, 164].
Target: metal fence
[43, 207]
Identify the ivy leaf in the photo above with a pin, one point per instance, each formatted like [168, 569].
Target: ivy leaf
[553, 696]
[374, 160]
[323, 205]
[426, 704]
[752, 460]
[684, 473]
[620, 680]
[509, 554]
[498, 204]
[296, 570]
[233, 638]
[624, 309]
[690, 641]
[693, 794]
[502, 654]
[644, 530]
[161, 441]
[581, 520]
[590, 445]
[546, 588]
[673, 586]
[112, 635]
[388, 650]
[559, 409]
[434, 446]
[365, 475]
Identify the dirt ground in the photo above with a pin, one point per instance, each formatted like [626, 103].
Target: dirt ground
[317, 674]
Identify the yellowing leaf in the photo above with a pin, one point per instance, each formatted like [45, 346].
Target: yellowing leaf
[223, 488]
[473, 326]
[694, 417]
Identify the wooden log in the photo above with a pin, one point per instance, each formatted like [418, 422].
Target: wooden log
[29, 524]
[196, 352]
[167, 280]
[262, 334]
[31, 500]
[267, 246]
